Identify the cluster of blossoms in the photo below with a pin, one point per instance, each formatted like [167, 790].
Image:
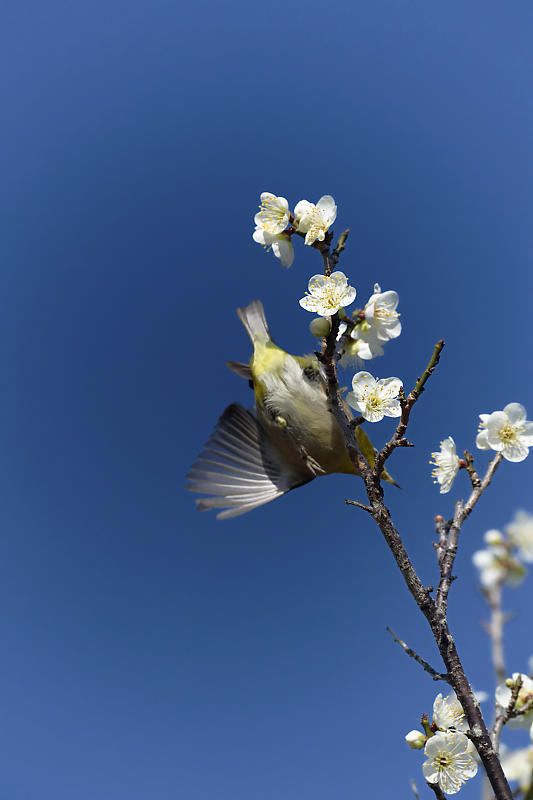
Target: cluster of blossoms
[376, 324]
[275, 224]
[501, 561]
[507, 432]
[450, 755]
[368, 330]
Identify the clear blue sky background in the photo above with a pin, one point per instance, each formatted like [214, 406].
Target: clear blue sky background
[149, 651]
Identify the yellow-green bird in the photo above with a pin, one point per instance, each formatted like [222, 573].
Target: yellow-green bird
[290, 438]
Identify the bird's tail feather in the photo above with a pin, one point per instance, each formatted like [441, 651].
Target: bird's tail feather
[254, 320]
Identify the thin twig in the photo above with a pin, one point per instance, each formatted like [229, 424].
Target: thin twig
[462, 511]
[474, 477]
[437, 676]
[407, 404]
[414, 790]
[506, 714]
[358, 504]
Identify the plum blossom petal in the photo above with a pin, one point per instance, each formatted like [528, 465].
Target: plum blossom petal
[273, 215]
[520, 533]
[279, 243]
[518, 766]
[446, 465]
[381, 314]
[448, 713]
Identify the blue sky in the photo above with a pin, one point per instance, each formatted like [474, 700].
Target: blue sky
[151, 651]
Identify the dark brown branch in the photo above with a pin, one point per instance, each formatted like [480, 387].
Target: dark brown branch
[437, 676]
[439, 794]
[474, 477]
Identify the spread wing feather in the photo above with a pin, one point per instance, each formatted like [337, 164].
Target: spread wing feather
[240, 468]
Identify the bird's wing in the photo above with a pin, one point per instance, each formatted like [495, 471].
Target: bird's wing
[240, 468]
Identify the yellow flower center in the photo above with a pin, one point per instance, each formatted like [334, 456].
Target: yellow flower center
[317, 227]
[329, 292]
[385, 314]
[373, 401]
[272, 214]
[507, 433]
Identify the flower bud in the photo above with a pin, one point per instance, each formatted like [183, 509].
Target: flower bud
[493, 537]
[416, 740]
[320, 327]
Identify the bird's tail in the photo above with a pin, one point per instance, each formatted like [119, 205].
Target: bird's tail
[253, 319]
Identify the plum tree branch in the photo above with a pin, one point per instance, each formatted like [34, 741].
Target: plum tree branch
[434, 611]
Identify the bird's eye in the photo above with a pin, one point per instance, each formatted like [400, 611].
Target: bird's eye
[310, 373]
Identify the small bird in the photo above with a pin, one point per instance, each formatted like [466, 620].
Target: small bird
[290, 437]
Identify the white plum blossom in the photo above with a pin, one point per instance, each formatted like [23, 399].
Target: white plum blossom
[279, 243]
[314, 220]
[491, 569]
[375, 399]
[520, 533]
[381, 323]
[518, 766]
[328, 294]
[508, 432]
[448, 713]
[493, 537]
[524, 701]
[381, 314]
[496, 564]
[273, 215]
[450, 760]
[369, 346]
[446, 465]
